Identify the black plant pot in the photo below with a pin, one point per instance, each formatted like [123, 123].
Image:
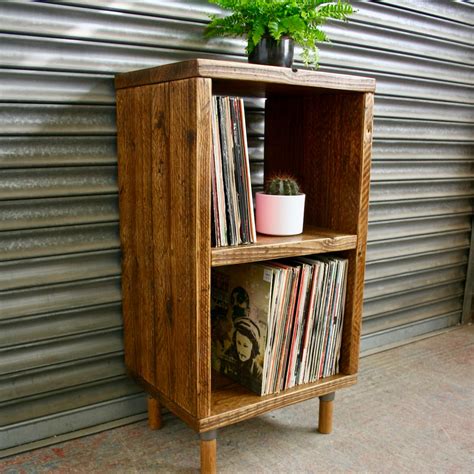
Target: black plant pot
[272, 52]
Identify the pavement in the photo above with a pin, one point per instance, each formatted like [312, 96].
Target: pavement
[412, 411]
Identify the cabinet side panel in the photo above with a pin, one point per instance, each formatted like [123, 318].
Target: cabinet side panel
[321, 140]
[181, 227]
[161, 201]
[203, 244]
[134, 166]
[354, 305]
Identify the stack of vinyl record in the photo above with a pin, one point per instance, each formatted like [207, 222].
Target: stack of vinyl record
[232, 203]
[278, 324]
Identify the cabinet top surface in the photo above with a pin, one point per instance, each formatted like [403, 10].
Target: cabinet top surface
[243, 72]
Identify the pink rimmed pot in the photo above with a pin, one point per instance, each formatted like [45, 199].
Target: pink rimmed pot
[279, 215]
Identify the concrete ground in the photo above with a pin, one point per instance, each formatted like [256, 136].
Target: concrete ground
[412, 411]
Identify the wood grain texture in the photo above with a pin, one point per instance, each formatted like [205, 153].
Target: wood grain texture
[349, 363]
[232, 403]
[326, 409]
[319, 128]
[253, 74]
[313, 240]
[208, 456]
[136, 223]
[325, 142]
[202, 350]
[181, 204]
[164, 147]
[154, 413]
[191, 420]
[126, 106]
[318, 139]
[162, 225]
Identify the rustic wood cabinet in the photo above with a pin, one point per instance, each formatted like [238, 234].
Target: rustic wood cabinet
[318, 126]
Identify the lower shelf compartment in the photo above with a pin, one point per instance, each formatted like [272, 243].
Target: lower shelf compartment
[231, 403]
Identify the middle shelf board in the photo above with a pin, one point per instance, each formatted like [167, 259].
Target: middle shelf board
[313, 240]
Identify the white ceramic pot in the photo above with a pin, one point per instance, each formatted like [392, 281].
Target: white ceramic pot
[279, 215]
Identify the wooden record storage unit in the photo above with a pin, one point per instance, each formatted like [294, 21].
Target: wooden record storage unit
[318, 126]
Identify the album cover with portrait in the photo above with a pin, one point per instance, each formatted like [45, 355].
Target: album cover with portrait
[240, 306]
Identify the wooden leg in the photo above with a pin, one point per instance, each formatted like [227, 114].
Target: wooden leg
[208, 452]
[326, 406]
[154, 413]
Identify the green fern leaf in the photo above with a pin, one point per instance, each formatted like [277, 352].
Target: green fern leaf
[298, 19]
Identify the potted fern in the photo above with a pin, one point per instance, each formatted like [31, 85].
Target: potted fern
[273, 26]
[280, 208]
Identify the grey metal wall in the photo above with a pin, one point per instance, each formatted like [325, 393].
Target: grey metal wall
[60, 317]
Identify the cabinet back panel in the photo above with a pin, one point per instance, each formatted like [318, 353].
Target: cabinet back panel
[325, 142]
[318, 140]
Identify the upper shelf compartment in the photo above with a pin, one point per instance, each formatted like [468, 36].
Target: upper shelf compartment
[313, 240]
[251, 79]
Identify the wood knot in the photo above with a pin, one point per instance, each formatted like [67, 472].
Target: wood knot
[190, 137]
[169, 310]
[160, 122]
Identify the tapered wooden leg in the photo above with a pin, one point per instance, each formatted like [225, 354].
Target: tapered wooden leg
[326, 406]
[154, 413]
[208, 452]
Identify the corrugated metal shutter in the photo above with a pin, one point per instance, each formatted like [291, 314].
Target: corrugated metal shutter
[60, 317]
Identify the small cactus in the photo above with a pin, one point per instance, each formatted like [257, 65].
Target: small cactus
[282, 185]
